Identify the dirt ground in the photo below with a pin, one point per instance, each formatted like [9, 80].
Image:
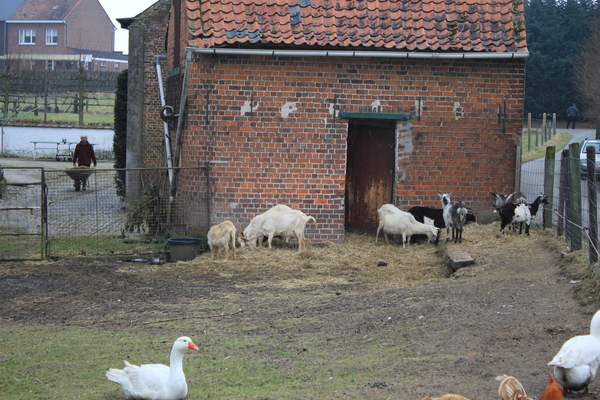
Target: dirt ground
[508, 313]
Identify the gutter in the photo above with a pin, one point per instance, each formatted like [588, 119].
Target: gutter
[366, 54]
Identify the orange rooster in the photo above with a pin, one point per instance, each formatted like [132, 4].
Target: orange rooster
[510, 388]
[552, 391]
[448, 396]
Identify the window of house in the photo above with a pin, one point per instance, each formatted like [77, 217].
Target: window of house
[102, 63]
[50, 65]
[116, 65]
[26, 36]
[51, 36]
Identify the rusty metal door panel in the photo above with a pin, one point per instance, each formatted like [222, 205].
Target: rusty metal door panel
[369, 175]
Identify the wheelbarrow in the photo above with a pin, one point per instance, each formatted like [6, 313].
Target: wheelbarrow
[80, 176]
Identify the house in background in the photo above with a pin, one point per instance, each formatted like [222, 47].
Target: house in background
[6, 11]
[334, 108]
[59, 35]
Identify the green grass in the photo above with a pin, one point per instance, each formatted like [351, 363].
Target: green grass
[65, 119]
[67, 362]
[560, 140]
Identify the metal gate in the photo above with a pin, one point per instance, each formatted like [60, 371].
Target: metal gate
[22, 213]
[54, 213]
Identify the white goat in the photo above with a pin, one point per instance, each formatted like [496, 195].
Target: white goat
[257, 220]
[396, 222]
[221, 236]
[287, 224]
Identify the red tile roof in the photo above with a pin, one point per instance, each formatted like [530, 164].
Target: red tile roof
[400, 25]
[45, 10]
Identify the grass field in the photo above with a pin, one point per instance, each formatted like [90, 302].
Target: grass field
[98, 111]
[532, 152]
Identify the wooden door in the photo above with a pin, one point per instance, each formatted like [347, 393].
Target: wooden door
[369, 173]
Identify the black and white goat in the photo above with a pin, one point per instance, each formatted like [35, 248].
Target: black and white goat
[512, 213]
[515, 214]
[435, 216]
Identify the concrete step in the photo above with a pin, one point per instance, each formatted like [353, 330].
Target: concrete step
[458, 257]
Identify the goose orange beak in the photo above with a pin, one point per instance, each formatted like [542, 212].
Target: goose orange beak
[192, 346]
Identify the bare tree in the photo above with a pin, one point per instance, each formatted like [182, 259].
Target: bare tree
[587, 74]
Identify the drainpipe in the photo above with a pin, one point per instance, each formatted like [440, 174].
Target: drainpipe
[180, 120]
[157, 58]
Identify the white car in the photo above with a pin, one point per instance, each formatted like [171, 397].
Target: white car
[583, 156]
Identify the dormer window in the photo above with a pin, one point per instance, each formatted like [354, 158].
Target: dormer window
[26, 36]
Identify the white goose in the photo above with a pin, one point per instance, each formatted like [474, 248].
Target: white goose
[576, 363]
[155, 381]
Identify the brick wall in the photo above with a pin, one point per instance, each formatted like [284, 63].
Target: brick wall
[90, 27]
[270, 120]
[155, 22]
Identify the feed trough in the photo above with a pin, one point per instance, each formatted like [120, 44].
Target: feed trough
[80, 176]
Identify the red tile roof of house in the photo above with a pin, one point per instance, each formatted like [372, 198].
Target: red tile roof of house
[399, 25]
[45, 10]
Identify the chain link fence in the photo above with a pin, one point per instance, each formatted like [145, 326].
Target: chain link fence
[75, 211]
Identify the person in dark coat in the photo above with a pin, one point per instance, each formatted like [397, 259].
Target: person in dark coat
[84, 155]
[572, 113]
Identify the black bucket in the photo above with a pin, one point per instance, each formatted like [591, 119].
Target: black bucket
[184, 249]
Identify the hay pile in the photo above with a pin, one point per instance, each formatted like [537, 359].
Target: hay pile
[354, 264]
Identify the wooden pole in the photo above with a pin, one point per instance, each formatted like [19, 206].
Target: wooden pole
[574, 211]
[592, 210]
[549, 166]
[563, 194]
[544, 133]
[528, 131]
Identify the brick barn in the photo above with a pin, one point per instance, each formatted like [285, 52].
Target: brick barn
[334, 108]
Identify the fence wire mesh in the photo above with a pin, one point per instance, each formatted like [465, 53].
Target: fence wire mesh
[80, 212]
[51, 218]
[573, 206]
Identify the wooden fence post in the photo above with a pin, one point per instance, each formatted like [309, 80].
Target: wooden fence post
[592, 210]
[549, 165]
[574, 210]
[544, 129]
[563, 195]
[528, 131]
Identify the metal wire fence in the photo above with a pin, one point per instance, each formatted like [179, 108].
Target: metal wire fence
[573, 207]
[60, 214]
[48, 217]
